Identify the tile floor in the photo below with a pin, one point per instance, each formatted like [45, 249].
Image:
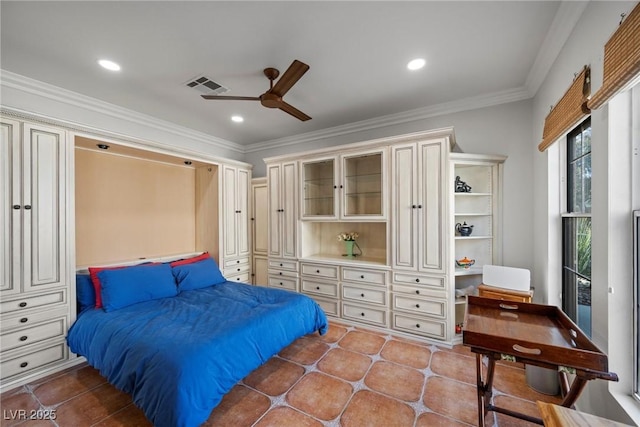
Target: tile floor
[348, 377]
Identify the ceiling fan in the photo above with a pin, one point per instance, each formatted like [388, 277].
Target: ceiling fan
[273, 97]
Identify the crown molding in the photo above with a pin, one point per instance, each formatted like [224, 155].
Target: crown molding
[38, 88]
[565, 20]
[467, 104]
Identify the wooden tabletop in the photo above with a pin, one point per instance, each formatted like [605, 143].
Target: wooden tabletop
[559, 416]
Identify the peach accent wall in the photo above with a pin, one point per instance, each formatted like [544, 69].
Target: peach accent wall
[129, 208]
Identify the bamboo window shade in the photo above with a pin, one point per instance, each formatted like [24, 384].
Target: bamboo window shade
[621, 59]
[571, 108]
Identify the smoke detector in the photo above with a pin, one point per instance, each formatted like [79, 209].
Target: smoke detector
[206, 86]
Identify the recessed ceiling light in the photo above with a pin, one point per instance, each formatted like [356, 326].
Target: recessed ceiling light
[416, 64]
[237, 119]
[109, 65]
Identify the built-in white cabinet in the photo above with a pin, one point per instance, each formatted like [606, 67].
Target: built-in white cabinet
[282, 209]
[476, 223]
[35, 306]
[418, 197]
[348, 187]
[236, 242]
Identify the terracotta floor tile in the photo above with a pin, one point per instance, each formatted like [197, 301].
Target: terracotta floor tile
[371, 409]
[512, 381]
[283, 416]
[129, 416]
[240, 407]
[320, 395]
[334, 333]
[274, 377]
[431, 419]
[518, 405]
[345, 364]
[452, 398]
[395, 380]
[362, 342]
[305, 351]
[460, 349]
[92, 406]
[454, 365]
[406, 354]
[64, 387]
[17, 406]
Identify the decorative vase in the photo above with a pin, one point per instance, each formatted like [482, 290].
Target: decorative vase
[348, 244]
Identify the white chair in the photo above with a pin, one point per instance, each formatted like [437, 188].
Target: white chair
[506, 283]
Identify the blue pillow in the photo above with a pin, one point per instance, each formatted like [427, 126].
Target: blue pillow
[85, 292]
[131, 285]
[198, 275]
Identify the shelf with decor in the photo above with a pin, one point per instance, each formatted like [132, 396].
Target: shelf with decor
[475, 208]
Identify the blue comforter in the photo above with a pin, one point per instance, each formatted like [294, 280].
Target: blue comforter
[178, 356]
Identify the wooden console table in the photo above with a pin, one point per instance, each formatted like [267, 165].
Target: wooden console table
[533, 334]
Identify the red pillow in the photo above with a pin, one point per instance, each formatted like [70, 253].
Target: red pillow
[93, 272]
[190, 260]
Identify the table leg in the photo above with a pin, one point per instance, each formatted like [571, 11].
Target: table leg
[485, 388]
[576, 388]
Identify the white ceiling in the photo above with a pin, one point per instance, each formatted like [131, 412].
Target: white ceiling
[357, 52]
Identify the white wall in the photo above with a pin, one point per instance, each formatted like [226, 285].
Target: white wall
[586, 46]
[504, 129]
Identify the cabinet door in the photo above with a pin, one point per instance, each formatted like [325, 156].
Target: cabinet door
[403, 194]
[362, 187]
[242, 215]
[260, 218]
[432, 206]
[44, 206]
[319, 188]
[10, 247]
[230, 218]
[289, 206]
[260, 271]
[274, 186]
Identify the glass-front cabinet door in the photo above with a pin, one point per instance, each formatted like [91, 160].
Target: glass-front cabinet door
[362, 188]
[319, 188]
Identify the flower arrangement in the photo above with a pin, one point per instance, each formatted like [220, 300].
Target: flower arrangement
[349, 236]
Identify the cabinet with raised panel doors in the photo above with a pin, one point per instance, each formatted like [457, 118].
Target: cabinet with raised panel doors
[35, 294]
[235, 257]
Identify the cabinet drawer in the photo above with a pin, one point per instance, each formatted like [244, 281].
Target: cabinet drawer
[430, 307]
[319, 270]
[281, 264]
[284, 273]
[234, 262]
[321, 288]
[36, 359]
[428, 328]
[419, 291]
[34, 334]
[236, 269]
[330, 307]
[360, 275]
[365, 314]
[29, 302]
[240, 277]
[372, 296]
[290, 283]
[417, 279]
[27, 319]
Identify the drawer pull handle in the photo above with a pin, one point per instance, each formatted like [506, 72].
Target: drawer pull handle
[22, 304]
[23, 338]
[509, 306]
[417, 280]
[16, 207]
[362, 295]
[24, 364]
[417, 292]
[525, 350]
[281, 284]
[417, 305]
[318, 271]
[238, 262]
[280, 264]
[280, 273]
[418, 325]
[24, 320]
[238, 269]
[362, 314]
[317, 288]
[362, 276]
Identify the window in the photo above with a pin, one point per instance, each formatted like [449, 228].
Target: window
[576, 227]
[636, 298]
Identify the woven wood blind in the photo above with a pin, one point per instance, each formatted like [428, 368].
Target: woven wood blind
[621, 59]
[568, 111]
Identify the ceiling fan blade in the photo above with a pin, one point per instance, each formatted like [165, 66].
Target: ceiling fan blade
[287, 108]
[289, 78]
[236, 98]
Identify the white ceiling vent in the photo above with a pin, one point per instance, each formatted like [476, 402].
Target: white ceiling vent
[206, 86]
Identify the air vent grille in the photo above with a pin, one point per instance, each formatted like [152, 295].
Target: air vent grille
[206, 86]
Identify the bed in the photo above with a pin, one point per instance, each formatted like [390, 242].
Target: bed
[179, 354]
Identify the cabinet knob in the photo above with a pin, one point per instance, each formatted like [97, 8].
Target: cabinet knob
[317, 288]
[413, 206]
[362, 276]
[23, 338]
[281, 284]
[280, 264]
[318, 271]
[335, 186]
[238, 269]
[27, 207]
[24, 364]
[418, 292]
[16, 206]
[24, 320]
[362, 295]
[417, 305]
[419, 206]
[280, 273]
[22, 304]
[238, 262]
[418, 325]
[362, 314]
[417, 280]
